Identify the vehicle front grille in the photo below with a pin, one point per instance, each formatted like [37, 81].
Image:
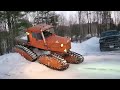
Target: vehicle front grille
[111, 39]
[115, 43]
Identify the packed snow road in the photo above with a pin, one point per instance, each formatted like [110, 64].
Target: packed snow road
[97, 65]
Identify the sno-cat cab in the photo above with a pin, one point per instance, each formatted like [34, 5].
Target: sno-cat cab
[43, 38]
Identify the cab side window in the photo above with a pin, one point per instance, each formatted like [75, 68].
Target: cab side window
[38, 36]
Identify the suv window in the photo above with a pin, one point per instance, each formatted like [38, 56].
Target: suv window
[109, 33]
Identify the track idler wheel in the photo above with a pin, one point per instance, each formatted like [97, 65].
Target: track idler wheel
[53, 62]
[23, 53]
[73, 58]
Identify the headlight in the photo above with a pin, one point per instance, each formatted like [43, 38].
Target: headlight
[61, 45]
[65, 50]
[27, 33]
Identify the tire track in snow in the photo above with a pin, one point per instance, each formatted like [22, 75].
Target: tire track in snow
[103, 69]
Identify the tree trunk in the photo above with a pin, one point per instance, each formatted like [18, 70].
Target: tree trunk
[80, 27]
[9, 20]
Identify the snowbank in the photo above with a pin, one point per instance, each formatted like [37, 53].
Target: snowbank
[24, 38]
[13, 64]
[87, 47]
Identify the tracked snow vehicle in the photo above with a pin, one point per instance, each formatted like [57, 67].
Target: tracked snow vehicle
[43, 45]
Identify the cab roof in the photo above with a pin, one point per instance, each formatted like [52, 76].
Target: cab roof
[39, 28]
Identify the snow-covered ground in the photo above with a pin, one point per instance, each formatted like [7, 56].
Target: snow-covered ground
[100, 65]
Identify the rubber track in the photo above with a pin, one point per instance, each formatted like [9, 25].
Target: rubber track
[28, 51]
[61, 60]
[76, 55]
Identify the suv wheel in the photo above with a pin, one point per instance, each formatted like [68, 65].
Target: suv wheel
[101, 47]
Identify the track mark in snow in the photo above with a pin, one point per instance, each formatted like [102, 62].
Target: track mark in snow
[103, 69]
[7, 74]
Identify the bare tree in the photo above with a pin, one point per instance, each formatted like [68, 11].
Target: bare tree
[80, 26]
[90, 19]
[74, 30]
[62, 19]
[117, 17]
[88, 14]
[62, 26]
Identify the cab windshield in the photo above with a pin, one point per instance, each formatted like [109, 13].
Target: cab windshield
[51, 30]
[48, 32]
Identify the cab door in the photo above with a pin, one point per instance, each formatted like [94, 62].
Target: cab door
[37, 40]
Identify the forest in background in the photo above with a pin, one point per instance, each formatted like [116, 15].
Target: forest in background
[80, 26]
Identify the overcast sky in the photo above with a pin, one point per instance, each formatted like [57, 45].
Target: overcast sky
[67, 13]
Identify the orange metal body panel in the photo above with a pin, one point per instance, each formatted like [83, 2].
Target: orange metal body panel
[53, 43]
[37, 43]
